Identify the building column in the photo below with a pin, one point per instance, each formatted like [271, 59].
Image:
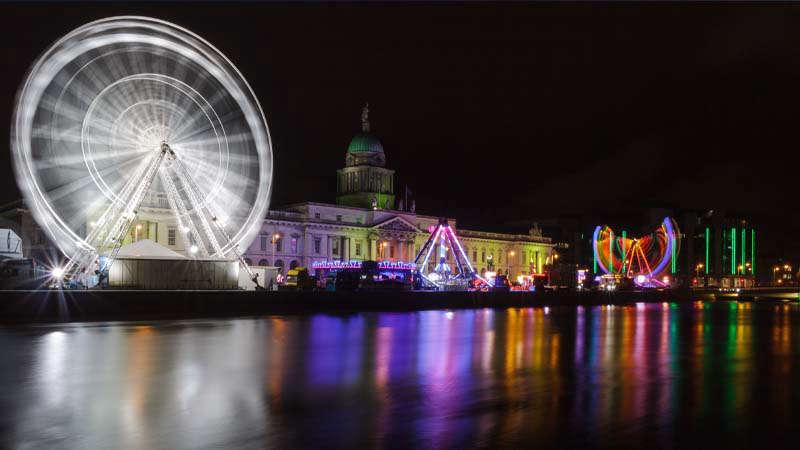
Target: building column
[372, 255]
[400, 250]
[305, 260]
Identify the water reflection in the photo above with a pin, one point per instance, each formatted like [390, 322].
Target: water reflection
[642, 375]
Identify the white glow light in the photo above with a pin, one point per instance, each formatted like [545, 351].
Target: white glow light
[193, 249]
[57, 272]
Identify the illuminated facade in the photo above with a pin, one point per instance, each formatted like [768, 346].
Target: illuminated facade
[725, 251]
[365, 225]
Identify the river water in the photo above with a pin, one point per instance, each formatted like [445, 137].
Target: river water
[640, 376]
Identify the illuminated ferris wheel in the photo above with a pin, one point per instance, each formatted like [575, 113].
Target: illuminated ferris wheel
[130, 108]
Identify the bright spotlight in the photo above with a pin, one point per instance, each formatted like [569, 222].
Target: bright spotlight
[185, 229]
[57, 272]
[193, 249]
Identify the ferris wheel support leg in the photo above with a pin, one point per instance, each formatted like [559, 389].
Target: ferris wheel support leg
[194, 196]
[179, 207]
[131, 210]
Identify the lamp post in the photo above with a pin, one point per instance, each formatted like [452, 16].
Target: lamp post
[383, 250]
[275, 238]
[697, 269]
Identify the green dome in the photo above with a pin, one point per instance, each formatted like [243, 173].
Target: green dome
[365, 142]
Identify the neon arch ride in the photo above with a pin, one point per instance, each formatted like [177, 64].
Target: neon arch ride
[643, 259]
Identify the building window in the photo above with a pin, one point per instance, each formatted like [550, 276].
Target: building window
[162, 201]
[263, 243]
[316, 215]
[483, 255]
[263, 263]
[317, 245]
[171, 232]
[338, 217]
[391, 251]
[294, 246]
[293, 264]
[475, 255]
[279, 244]
[335, 246]
[358, 248]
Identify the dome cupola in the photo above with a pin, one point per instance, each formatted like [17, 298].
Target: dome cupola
[365, 148]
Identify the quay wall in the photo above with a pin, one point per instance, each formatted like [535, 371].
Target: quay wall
[94, 305]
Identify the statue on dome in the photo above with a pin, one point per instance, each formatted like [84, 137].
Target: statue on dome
[535, 231]
[413, 205]
[365, 118]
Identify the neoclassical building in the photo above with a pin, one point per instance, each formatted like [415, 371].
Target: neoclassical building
[366, 225]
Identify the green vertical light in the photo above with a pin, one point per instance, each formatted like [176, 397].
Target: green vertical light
[744, 240]
[708, 241]
[753, 252]
[624, 259]
[610, 252]
[672, 258]
[733, 251]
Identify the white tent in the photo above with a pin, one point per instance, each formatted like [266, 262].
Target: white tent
[147, 249]
[148, 265]
[10, 244]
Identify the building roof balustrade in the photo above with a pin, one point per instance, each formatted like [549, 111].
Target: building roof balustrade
[504, 236]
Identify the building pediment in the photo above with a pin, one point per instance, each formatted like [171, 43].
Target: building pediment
[396, 224]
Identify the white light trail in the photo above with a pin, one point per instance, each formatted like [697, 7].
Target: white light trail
[99, 102]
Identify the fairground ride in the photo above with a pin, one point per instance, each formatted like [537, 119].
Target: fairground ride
[129, 108]
[441, 276]
[647, 260]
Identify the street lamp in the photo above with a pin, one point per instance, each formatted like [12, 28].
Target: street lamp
[697, 269]
[383, 250]
[275, 238]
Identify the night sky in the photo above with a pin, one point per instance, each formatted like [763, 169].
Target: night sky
[492, 113]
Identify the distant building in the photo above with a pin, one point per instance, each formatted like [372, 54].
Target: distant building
[365, 225]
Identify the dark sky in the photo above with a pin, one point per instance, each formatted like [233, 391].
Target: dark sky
[495, 112]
